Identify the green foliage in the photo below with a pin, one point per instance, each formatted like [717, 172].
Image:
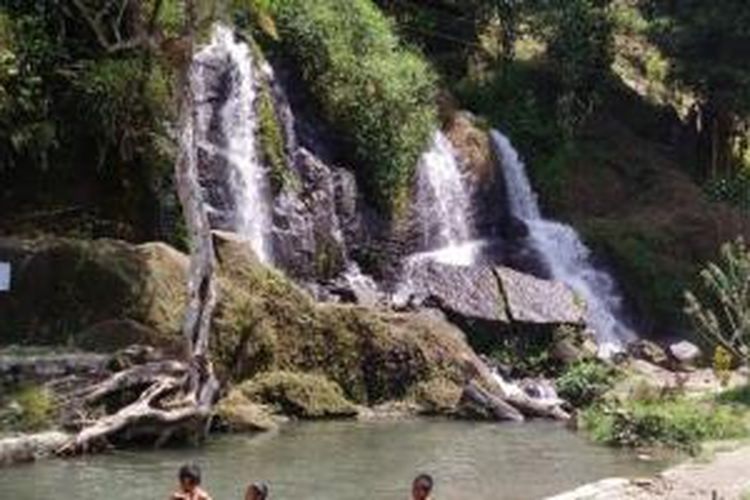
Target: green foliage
[272, 142]
[721, 311]
[29, 409]
[739, 396]
[379, 95]
[680, 423]
[579, 40]
[583, 383]
[651, 276]
[733, 188]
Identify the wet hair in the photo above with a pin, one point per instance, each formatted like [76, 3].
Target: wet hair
[425, 480]
[190, 472]
[261, 489]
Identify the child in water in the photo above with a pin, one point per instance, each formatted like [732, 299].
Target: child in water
[190, 481]
[257, 491]
[421, 488]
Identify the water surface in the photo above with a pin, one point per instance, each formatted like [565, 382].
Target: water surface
[345, 461]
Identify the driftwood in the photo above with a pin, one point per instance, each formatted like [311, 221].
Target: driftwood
[475, 394]
[483, 389]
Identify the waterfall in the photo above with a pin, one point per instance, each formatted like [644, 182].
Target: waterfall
[228, 135]
[443, 206]
[564, 254]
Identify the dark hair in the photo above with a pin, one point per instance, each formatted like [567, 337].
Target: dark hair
[261, 489]
[425, 480]
[191, 472]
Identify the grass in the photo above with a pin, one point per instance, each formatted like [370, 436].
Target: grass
[674, 422]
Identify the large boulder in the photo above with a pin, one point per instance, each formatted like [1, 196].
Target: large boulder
[531, 300]
[61, 287]
[494, 297]
[265, 323]
[471, 293]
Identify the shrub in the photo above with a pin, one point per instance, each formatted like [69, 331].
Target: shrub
[721, 314]
[31, 409]
[585, 382]
[379, 95]
[679, 423]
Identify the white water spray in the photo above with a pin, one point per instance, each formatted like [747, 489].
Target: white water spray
[564, 254]
[443, 205]
[247, 181]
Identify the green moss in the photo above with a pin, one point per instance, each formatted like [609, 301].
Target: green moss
[376, 93]
[272, 142]
[66, 286]
[437, 396]
[299, 394]
[265, 323]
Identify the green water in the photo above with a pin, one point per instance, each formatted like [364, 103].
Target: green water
[345, 461]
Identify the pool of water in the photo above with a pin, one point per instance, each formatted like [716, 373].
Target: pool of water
[345, 461]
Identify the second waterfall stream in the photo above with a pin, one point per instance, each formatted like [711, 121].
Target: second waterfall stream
[561, 251]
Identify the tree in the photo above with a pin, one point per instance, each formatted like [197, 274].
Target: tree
[721, 313]
[176, 396]
[707, 43]
[579, 41]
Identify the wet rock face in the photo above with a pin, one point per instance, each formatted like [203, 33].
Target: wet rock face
[307, 239]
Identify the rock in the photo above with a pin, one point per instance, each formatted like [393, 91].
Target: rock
[535, 301]
[265, 323]
[572, 345]
[471, 293]
[30, 447]
[113, 334]
[648, 351]
[61, 287]
[236, 413]
[299, 394]
[307, 238]
[30, 367]
[438, 396]
[685, 353]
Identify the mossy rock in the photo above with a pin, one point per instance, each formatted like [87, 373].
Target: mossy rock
[265, 323]
[61, 287]
[236, 413]
[438, 396]
[299, 394]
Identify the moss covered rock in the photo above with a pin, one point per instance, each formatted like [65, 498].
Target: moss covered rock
[299, 394]
[236, 413]
[265, 323]
[62, 287]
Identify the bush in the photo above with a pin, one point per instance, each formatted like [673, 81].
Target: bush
[679, 423]
[721, 314]
[31, 409]
[379, 95]
[584, 383]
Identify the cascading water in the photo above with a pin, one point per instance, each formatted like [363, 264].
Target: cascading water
[443, 207]
[564, 254]
[229, 134]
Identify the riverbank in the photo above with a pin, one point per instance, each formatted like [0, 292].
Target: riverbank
[726, 477]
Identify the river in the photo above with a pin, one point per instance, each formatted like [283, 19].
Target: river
[345, 461]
